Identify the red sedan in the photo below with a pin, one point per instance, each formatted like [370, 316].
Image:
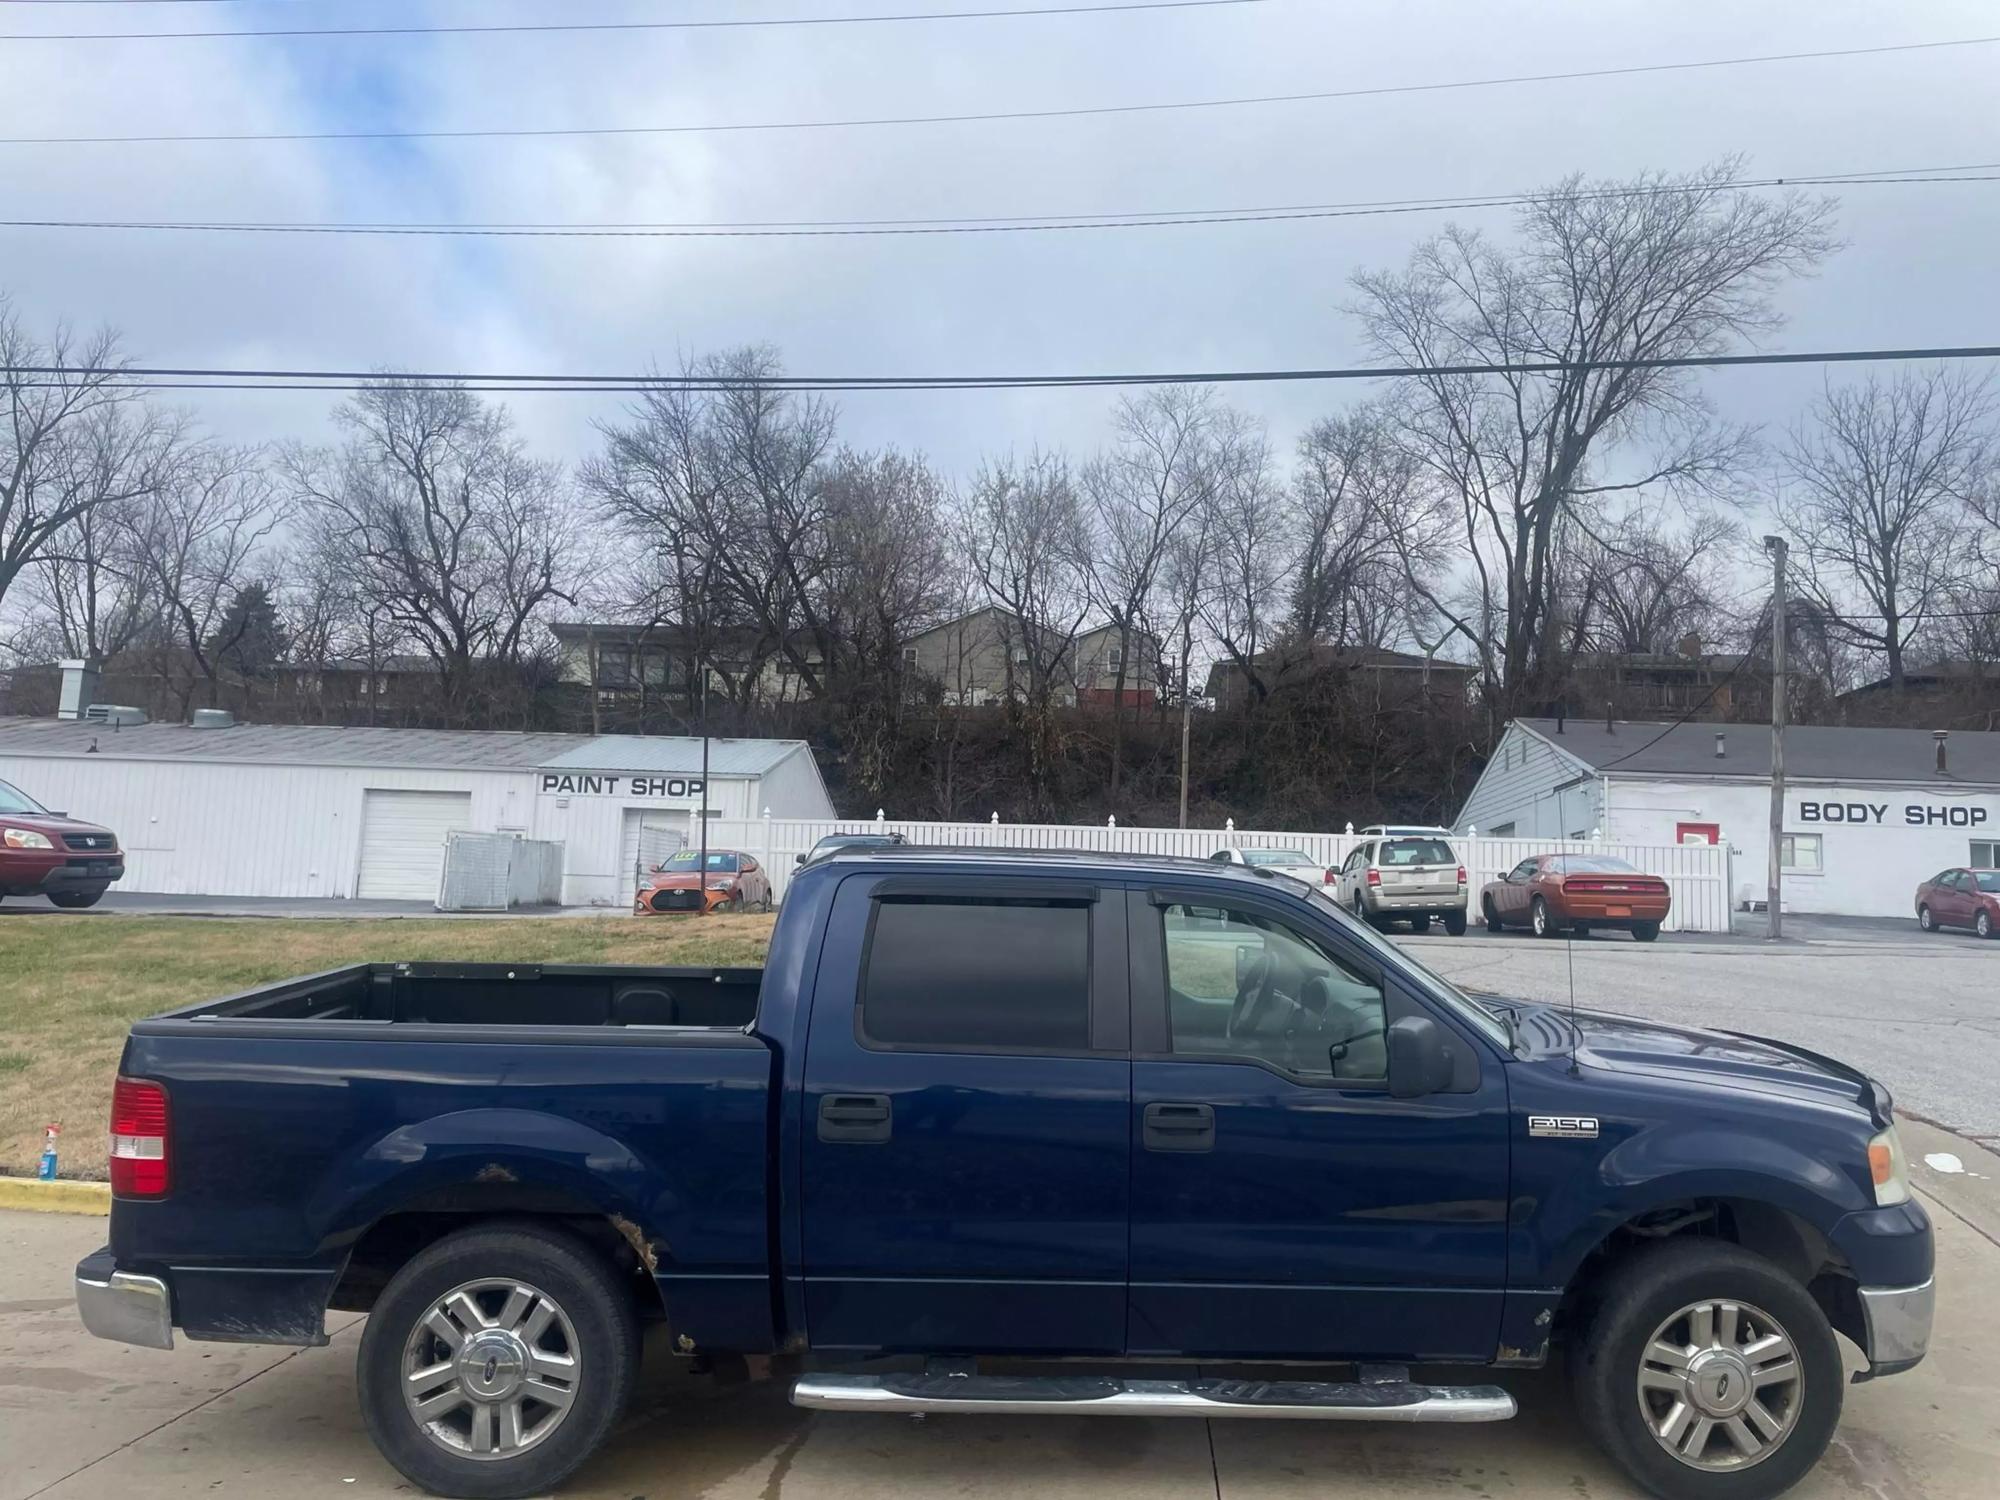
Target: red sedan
[1553, 893]
[1960, 898]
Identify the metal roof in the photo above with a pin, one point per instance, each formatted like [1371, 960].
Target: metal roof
[330, 745]
[1816, 752]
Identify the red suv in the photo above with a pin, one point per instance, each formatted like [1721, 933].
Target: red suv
[46, 854]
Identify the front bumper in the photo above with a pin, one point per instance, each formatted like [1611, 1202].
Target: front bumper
[1898, 1324]
[121, 1306]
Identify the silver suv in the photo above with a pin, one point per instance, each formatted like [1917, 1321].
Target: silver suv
[1398, 876]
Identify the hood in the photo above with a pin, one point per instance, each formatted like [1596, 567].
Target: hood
[53, 825]
[1718, 1059]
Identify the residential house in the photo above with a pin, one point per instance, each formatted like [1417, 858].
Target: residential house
[983, 657]
[632, 671]
[1388, 677]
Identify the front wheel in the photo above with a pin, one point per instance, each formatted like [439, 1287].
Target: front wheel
[1492, 916]
[1645, 932]
[1706, 1373]
[1925, 920]
[1983, 924]
[75, 900]
[497, 1361]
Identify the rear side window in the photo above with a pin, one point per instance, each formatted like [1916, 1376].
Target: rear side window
[985, 976]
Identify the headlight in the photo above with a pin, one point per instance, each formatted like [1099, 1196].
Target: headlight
[1890, 1171]
[25, 838]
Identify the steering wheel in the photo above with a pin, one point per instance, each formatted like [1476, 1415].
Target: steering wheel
[1251, 993]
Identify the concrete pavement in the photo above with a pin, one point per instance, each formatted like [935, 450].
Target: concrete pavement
[85, 1420]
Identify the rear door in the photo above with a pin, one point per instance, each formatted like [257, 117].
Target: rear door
[1284, 1204]
[966, 1135]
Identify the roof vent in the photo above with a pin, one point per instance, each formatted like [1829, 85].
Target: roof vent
[1721, 745]
[1941, 735]
[213, 718]
[114, 714]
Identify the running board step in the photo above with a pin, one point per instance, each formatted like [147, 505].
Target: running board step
[1096, 1395]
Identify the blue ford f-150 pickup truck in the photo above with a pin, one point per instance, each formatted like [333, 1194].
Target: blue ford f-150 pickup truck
[992, 1107]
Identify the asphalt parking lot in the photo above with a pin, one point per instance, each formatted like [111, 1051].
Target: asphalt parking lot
[86, 1420]
[1922, 1013]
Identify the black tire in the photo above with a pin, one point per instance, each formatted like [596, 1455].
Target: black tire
[1983, 924]
[561, 1267]
[1645, 932]
[1493, 922]
[1420, 924]
[1925, 920]
[1454, 923]
[1539, 919]
[75, 900]
[1621, 1315]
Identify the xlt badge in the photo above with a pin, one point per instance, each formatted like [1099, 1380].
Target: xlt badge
[1564, 1127]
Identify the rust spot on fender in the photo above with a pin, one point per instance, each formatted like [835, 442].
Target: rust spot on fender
[1510, 1355]
[648, 1253]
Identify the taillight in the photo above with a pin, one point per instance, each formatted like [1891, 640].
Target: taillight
[1329, 878]
[1374, 876]
[1461, 874]
[139, 1140]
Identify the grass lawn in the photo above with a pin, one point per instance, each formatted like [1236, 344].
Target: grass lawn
[70, 985]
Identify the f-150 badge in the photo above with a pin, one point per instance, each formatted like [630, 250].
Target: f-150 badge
[1564, 1127]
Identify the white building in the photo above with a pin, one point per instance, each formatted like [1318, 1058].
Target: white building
[298, 810]
[1869, 813]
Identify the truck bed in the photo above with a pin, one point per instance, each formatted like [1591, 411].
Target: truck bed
[446, 994]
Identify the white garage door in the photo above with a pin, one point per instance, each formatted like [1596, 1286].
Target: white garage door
[402, 842]
[649, 837]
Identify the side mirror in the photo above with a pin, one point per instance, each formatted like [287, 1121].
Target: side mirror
[1419, 1058]
[798, 859]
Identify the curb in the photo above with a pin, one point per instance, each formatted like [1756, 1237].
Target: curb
[32, 1195]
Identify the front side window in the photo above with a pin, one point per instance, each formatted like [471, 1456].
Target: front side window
[1242, 986]
[1802, 852]
[1525, 870]
[988, 976]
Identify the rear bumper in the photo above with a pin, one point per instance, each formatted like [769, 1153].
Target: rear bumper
[1898, 1324]
[121, 1306]
[1609, 912]
[1436, 903]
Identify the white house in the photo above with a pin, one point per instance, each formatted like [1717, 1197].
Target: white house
[1869, 813]
[307, 810]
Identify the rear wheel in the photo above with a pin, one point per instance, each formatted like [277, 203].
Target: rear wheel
[1645, 932]
[1925, 920]
[1540, 920]
[1706, 1373]
[1493, 923]
[1454, 923]
[75, 900]
[497, 1361]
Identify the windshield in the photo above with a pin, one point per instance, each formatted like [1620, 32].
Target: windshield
[689, 860]
[1989, 880]
[14, 800]
[1276, 857]
[1415, 852]
[1589, 864]
[1471, 1010]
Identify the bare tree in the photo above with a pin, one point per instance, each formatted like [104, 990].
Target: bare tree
[1141, 494]
[78, 443]
[1252, 553]
[197, 544]
[89, 584]
[1610, 275]
[1884, 476]
[449, 529]
[1025, 534]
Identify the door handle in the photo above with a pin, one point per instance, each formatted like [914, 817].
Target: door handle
[1178, 1127]
[856, 1119]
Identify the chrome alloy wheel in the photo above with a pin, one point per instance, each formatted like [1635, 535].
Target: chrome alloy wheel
[1720, 1385]
[491, 1369]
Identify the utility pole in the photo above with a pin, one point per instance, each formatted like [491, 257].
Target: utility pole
[701, 807]
[1775, 545]
[1186, 709]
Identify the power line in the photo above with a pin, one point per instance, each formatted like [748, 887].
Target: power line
[984, 117]
[733, 24]
[1002, 224]
[198, 378]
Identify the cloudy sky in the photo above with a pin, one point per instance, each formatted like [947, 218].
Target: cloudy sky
[1918, 269]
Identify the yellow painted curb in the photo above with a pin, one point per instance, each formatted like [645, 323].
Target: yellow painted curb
[59, 1197]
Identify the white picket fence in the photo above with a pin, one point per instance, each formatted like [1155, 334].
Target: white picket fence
[1698, 874]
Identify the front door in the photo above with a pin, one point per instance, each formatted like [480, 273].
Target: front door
[965, 1138]
[1284, 1204]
